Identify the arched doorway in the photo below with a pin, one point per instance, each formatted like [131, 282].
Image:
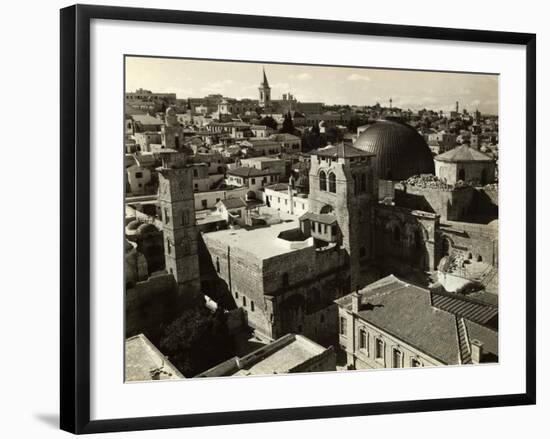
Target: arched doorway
[462, 174]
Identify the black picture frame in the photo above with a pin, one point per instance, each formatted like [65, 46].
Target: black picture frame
[75, 217]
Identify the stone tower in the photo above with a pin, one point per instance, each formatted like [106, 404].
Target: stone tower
[342, 183]
[177, 205]
[171, 132]
[265, 92]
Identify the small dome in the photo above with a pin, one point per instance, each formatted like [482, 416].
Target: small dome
[401, 151]
[133, 225]
[146, 228]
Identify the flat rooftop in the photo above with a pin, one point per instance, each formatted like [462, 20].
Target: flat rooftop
[299, 350]
[142, 357]
[261, 242]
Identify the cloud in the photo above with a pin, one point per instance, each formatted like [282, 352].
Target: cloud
[302, 76]
[217, 86]
[280, 86]
[358, 77]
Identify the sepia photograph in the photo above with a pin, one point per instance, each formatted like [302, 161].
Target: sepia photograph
[289, 218]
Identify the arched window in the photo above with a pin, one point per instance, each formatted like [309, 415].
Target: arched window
[322, 181]
[479, 258]
[332, 183]
[396, 234]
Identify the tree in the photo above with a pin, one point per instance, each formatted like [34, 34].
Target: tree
[268, 121]
[354, 123]
[197, 340]
[334, 135]
[288, 125]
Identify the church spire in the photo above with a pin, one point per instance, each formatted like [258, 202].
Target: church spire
[264, 82]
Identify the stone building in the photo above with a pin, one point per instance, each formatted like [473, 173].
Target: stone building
[395, 324]
[285, 198]
[282, 280]
[342, 193]
[466, 164]
[405, 238]
[431, 194]
[177, 206]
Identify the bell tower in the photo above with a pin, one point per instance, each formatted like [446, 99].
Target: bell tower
[265, 92]
[177, 205]
[342, 184]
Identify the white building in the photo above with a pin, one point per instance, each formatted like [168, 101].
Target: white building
[283, 198]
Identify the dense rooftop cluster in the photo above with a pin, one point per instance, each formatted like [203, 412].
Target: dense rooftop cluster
[430, 181]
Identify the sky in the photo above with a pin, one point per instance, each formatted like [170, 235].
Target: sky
[332, 85]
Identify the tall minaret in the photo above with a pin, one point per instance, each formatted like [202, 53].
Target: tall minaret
[391, 103]
[456, 106]
[265, 92]
[177, 205]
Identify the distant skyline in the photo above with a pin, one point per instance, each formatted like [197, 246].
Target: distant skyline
[332, 85]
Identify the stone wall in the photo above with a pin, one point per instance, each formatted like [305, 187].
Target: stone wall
[450, 204]
[407, 237]
[292, 292]
[473, 171]
[473, 242]
[150, 305]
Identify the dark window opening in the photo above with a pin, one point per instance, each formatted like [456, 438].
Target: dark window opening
[285, 279]
[322, 181]
[332, 183]
[379, 352]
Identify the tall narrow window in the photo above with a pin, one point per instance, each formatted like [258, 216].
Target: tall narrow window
[332, 183]
[322, 181]
[166, 216]
[379, 351]
[185, 218]
[244, 301]
[218, 265]
[343, 326]
[362, 339]
[252, 305]
[397, 357]
[285, 279]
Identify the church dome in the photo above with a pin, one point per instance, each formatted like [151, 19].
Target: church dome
[401, 151]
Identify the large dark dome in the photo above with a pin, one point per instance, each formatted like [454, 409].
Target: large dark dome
[401, 151]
